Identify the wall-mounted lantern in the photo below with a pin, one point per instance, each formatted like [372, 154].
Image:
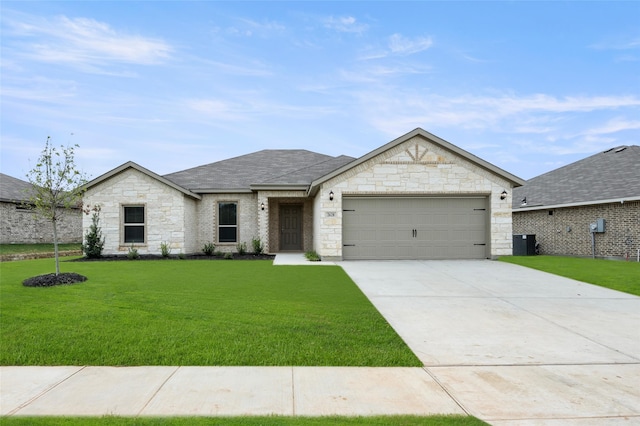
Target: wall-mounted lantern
[262, 206]
[503, 195]
[331, 196]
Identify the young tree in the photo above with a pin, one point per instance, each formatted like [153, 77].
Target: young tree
[93, 239]
[57, 186]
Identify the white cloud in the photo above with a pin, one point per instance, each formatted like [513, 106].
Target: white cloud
[627, 44]
[614, 125]
[393, 111]
[345, 24]
[400, 45]
[396, 45]
[83, 42]
[264, 28]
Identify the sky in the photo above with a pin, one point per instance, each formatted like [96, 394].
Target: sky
[527, 86]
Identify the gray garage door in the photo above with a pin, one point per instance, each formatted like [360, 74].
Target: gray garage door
[414, 228]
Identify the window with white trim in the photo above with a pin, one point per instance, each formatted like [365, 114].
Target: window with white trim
[227, 222]
[133, 224]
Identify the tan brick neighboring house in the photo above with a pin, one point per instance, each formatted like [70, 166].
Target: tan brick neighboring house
[21, 225]
[559, 206]
[417, 197]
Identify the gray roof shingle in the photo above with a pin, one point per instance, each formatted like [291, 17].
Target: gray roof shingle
[266, 167]
[609, 175]
[13, 189]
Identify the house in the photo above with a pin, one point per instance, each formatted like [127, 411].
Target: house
[417, 197]
[560, 206]
[21, 225]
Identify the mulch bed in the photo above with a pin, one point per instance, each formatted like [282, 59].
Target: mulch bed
[236, 256]
[50, 280]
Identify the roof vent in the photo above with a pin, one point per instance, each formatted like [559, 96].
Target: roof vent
[622, 148]
[609, 150]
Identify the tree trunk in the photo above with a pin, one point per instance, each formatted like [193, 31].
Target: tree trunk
[55, 247]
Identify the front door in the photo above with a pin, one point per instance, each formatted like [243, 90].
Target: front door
[290, 227]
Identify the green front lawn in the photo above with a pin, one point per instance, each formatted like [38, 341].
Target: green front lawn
[35, 248]
[613, 274]
[193, 312]
[248, 421]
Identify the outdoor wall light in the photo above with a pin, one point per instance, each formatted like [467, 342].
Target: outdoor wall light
[262, 206]
[331, 196]
[503, 195]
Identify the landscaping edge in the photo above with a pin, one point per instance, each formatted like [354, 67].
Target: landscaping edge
[29, 256]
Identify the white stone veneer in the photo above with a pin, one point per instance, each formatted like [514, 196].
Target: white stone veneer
[416, 167]
[166, 211]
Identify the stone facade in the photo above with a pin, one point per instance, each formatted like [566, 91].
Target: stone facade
[20, 225]
[167, 212]
[415, 167]
[565, 231]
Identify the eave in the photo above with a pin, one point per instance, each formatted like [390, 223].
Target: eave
[576, 204]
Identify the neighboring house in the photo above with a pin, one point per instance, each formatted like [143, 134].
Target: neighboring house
[559, 206]
[417, 197]
[21, 225]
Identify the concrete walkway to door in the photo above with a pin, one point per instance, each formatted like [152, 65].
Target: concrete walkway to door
[514, 345]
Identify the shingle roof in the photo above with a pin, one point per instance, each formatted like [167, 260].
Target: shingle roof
[13, 189]
[267, 167]
[610, 175]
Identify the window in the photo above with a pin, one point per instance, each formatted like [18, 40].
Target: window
[227, 222]
[134, 224]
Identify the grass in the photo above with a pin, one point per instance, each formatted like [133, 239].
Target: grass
[247, 421]
[613, 274]
[193, 312]
[35, 248]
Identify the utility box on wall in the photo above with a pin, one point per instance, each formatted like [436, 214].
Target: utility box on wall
[597, 226]
[524, 245]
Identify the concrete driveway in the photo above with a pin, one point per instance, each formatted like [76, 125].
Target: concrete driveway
[513, 345]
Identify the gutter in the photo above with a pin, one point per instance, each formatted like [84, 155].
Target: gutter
[576, 204]
[279, 187]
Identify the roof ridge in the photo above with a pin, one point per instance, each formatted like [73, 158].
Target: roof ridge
[240, 156]
[592, 157]
[311, 165]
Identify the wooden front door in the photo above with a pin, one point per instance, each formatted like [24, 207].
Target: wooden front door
[290, 227]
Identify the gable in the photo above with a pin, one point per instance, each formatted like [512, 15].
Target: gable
[419, 147]
[417, 152]
[131, 166]
[417, 166]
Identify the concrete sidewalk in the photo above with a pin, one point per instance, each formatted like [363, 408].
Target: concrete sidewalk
[221, 391]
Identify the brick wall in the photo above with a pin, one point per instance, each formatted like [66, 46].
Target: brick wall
[565, 231]
[208, 221]
[22, 226]
[269, 219]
